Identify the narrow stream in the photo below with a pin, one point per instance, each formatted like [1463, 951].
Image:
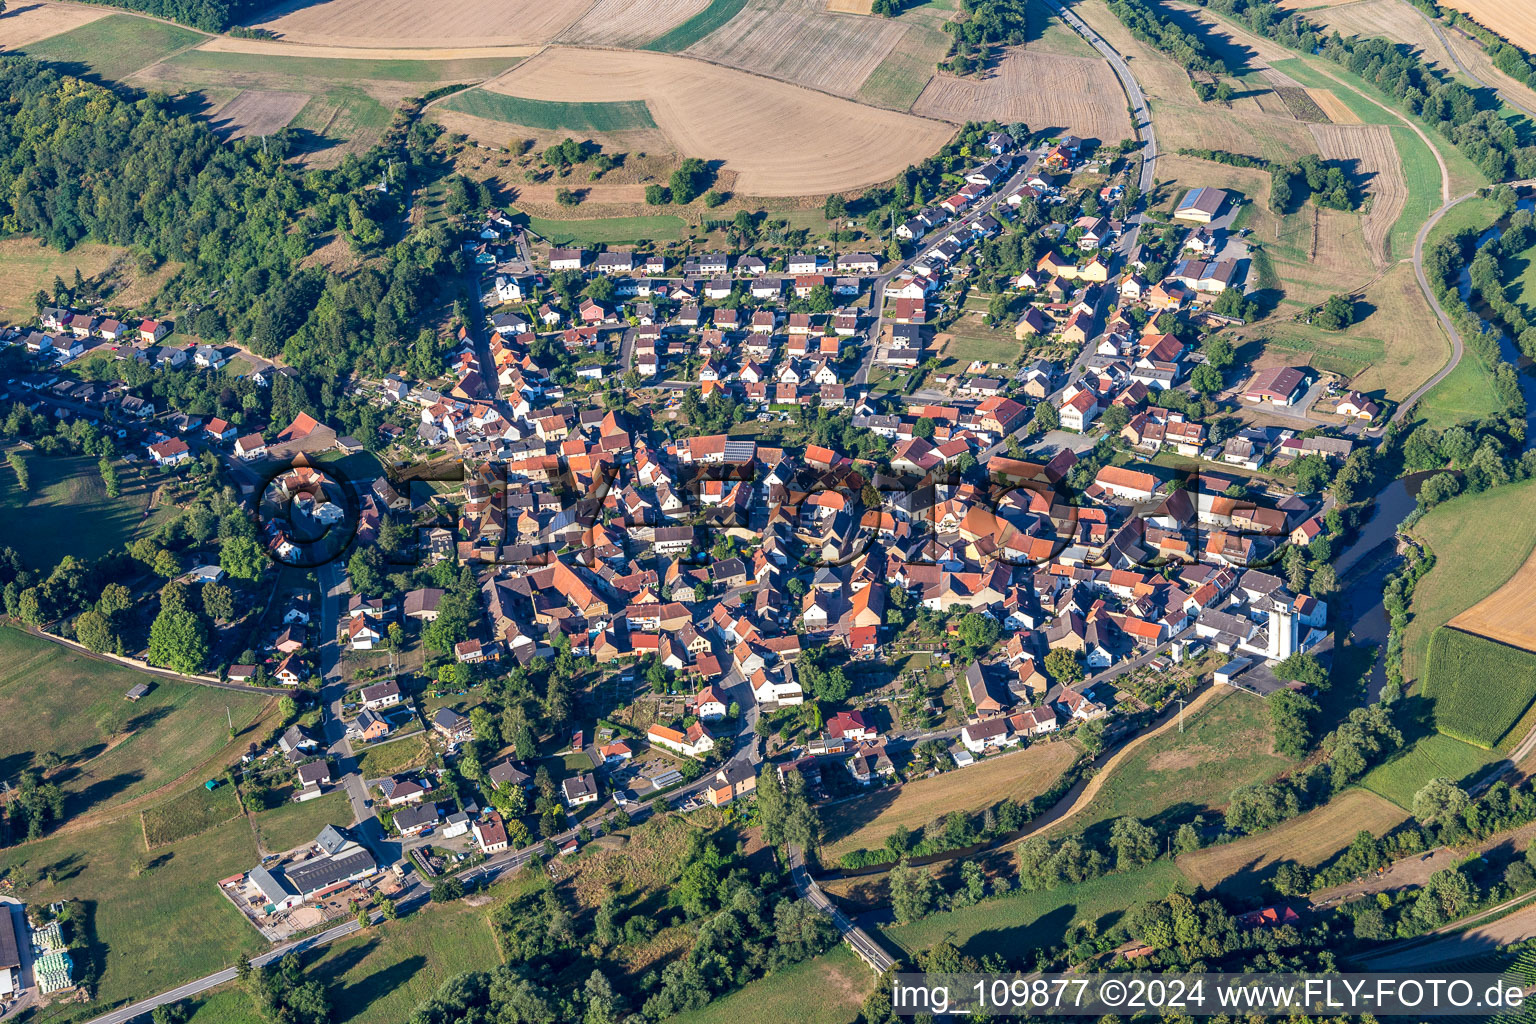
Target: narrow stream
[1522, 363]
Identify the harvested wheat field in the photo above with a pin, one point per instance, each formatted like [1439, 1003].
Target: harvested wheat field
[850, 6]
[257, 112]
[1508, 615]
[374, 23]
[1371, 157]
[1020, 775]
[1309, 839]
[800, 41]
[717, 113]
[28, 22]
[1515, 20]
[1390, 19]
[1045, 91]
[630, 23]
[288, 48]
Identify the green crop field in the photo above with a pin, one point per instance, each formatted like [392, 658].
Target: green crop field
[1436, 756]
[1224, 745]
[339, 69]
[156, 919]
[663, 227]
[283, 828]
[627, 115]
[1480, 687]
[697, 27]
[113, 47]
[1479, 541]
[1012, 924]
[826, 990]
[67, 493]
[53, 700]
[191, 813]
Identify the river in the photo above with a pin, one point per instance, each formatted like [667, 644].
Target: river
[1522, 363]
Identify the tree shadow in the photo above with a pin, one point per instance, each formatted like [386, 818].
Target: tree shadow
[352, 1000]
[1045, 930]
[65, 868]
[101, 790]
[147, 718]
[855, 814]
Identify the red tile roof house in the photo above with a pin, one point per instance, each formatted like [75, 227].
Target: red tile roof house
[170, 453]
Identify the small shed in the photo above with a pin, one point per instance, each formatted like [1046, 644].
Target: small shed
[138, 690]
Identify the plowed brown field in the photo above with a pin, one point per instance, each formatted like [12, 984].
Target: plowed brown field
[801, 41]
[630, 22]
[28, 22]
[1077, 94]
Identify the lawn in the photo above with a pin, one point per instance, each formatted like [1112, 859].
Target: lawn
[697, 27]
[382, 974]
[1224, 745]
[113, 47]
[68, 495]
[1475, 214]
[189, 814]
[388, 758]
[1422, 174]
[549, 115]
[1434, 756]
[1480, 687]
[826, 990]
[1000, 347]
[294, 824]
[1479, 542]
[1020, 776]
[152, 931]
[27, 266]
[52, 699]
[661, 227]
[1013, 925]
[1308, 839]
[1466, 394]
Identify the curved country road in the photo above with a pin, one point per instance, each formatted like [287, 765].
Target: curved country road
[1457, 348]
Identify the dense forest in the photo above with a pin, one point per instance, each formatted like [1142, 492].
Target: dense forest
[208, 15]
[80, 162]
[986, 23]
[1149, 26]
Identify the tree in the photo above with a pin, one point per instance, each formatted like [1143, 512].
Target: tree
[691, 177]
[1439, 801]
[448, 890]
[1134, 843]
[93, 630]
[1046, 419]
[242, 557]
[923, 428]
[655, 195]
[219, 602]
[1062, 665]
[178, 640]
[912, 892]
[1291, 714]
[18, 463]
[1218, 350]
[109, 478]
[714, 198]
[1337, 313]
[1205, 379]
[835, 208]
